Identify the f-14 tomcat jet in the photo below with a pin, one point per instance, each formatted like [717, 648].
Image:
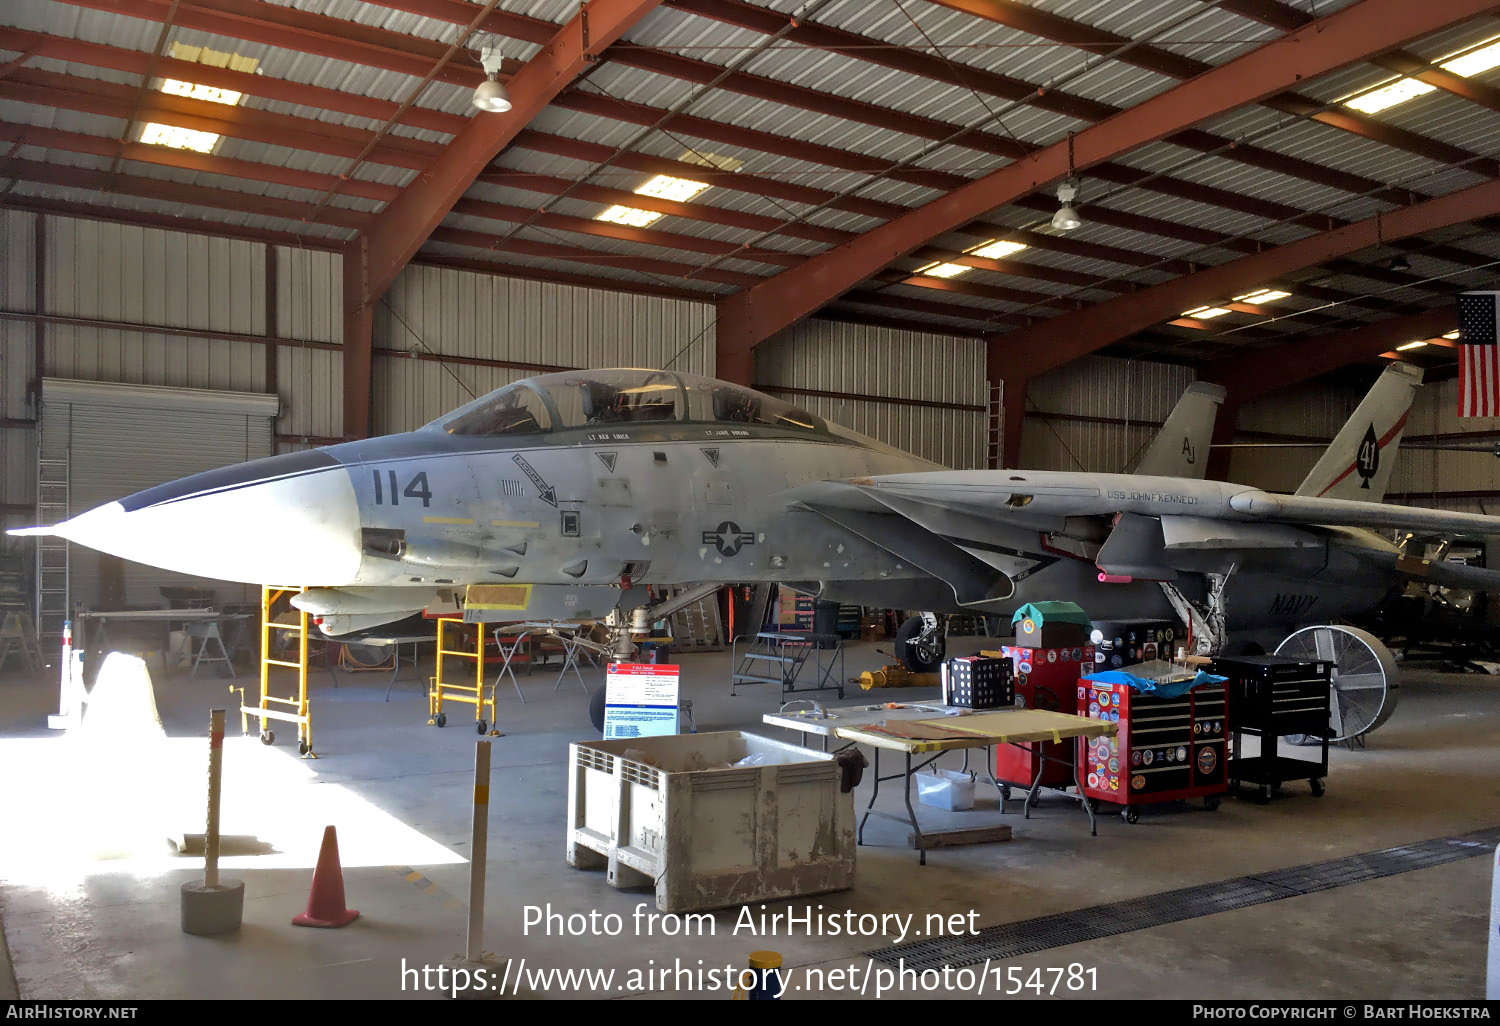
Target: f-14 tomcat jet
[564, 496]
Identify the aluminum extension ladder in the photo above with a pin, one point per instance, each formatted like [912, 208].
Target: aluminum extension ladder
[53, 554]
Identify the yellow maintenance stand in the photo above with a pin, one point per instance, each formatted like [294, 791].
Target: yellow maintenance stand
[460, 688]
[272, 707]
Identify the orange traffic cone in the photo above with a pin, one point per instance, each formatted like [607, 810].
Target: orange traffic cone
[325, 902]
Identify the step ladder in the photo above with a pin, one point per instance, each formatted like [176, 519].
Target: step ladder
[778, 657]
[18, 637]
[273, 707]
[53, 554]
[455, 643]
[697, 627]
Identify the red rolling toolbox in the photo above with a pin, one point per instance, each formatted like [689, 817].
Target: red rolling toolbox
[1166, 748]
[1044, 678]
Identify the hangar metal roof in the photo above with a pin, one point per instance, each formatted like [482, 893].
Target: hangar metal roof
[822, 119]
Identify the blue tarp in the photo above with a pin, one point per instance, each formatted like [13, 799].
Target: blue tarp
[1155, 690]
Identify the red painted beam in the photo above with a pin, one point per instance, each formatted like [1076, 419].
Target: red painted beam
[91, 96]
[314, 33]
[699, 71]
[795, 193]
[169, 222]
[1252, 375]
[136, 62]
[423, 204]
[1351, 34]
[178, 193]
[189, 160]
[1062, 339]
[293, 29]
[1077, 34]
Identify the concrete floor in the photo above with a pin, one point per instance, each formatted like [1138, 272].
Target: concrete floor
[89, 897]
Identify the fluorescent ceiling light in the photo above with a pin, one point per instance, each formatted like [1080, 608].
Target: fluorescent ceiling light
[198, 91]
[1410, 345]
[1262, 296]
[1205, 313]
[1450, 334]
[944, 270]
[1475, 62]
[177, 138]
[998, 250]
[678, 190]
[632, 216]
[1399, 91]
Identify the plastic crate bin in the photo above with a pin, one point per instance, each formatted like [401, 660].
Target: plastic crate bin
[677, 814]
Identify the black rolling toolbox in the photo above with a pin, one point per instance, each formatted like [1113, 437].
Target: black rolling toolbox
[1273, 697]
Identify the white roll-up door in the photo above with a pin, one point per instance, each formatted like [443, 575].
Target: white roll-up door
[119, 439]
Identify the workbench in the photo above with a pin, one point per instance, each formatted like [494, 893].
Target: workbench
[207, 625]
[931, 730]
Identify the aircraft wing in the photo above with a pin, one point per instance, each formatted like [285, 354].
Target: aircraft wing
[970, 527]
[1301, 509]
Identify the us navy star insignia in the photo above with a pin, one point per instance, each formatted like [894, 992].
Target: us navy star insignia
[728, 539]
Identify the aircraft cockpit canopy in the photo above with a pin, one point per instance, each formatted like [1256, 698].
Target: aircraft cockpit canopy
[580, 399]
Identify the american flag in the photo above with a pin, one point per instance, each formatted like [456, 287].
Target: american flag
[1478, 354]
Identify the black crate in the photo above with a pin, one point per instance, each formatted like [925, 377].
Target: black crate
[978, 682]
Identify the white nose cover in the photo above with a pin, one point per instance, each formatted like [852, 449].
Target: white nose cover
[293, 531]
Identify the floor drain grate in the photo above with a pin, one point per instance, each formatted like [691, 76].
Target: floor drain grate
[1028, 936]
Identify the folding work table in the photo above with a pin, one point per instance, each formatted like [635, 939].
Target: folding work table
[932, 730]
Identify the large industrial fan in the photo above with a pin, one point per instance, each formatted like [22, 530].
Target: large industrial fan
[1364, 676]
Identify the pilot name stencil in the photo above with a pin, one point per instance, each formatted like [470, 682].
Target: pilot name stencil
[728, 539]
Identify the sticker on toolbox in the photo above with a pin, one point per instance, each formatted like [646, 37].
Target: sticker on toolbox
[1207, 760]
[1093, 780]
[1137, 782]
[1148, 757]
[1051, 655]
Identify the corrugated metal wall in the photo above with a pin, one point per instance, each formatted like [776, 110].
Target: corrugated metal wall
[17, 443]
[1307, 410]
[1122, 402]
[853, 362]
[431, 310]
[1418, 474]
[309, 306]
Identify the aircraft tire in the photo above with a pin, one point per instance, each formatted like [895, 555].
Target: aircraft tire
[907, 655]
[596, 709]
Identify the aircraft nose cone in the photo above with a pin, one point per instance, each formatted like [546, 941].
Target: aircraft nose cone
[290, 519]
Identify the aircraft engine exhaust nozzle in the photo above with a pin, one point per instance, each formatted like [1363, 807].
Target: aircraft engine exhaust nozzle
[292, 518]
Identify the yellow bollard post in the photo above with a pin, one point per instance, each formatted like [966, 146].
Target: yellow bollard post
[478, 850]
